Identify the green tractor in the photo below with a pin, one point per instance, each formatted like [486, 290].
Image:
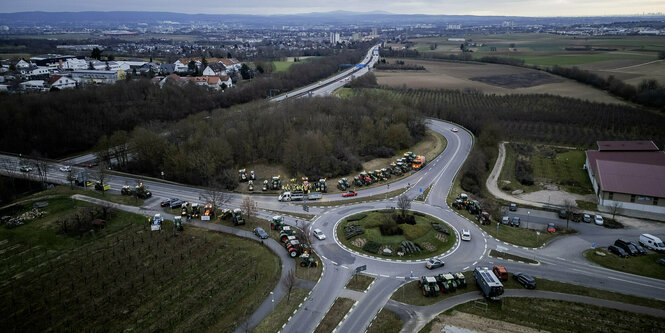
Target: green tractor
[341, 185]
[357, 181]
[242, 175]
[446, 282]
[366, 178]
[177, 223]
[409, 157]
[277, 223]
[307, 261]
[184, 210]
[276, 183]
[460, 279]
[225, 214]
[285, 233]
[142, 191]
[250, 185]
[237, 217]
[126, 190]
[429, 286]
[294, 247]
[386, 173]
[196, 210]
[473, 207]
[265, 185]
[395, 169]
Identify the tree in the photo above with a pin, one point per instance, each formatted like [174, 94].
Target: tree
[102, 171]
[246, 72]
[403, 203]
[289, 283]
[214, 195]
[90, 65]
[614, 208]
[96, 53]
[249, 207]
[570, 208]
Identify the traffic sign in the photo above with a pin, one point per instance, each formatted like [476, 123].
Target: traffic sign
[361, 268]
[305, 208]
[593, 245]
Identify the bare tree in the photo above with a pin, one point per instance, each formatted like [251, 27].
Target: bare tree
[249, 207]
[289, 282]
[614, 208]
[214, 195]
[71, 178]
[570, 208]
[403, 203]
[102, 172]
[41, 167]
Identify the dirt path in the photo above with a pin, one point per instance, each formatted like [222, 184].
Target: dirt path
[465, 322]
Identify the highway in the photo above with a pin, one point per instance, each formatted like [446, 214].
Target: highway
[559, 260]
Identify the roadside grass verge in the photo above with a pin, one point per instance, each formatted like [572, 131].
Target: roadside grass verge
[646, 265]
[66, 191]
[373, 241]
[359, 282]
[562, 316]
[283, 310]
[338, 310]
[384, 196]
[386, 321]
[410, 293]
[586, 205]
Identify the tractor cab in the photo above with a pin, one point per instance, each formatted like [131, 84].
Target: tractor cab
[386, 173]
[341, 186]
[196, 210]
[177, 223]
[242, 175]
[277, 223]
[237, 217]
[429, 286]
[461, 280]
[265, 185]
[252, 176]
[484, 218]
[286, 232]
[250, 185]
[357, 181]
[307, 261]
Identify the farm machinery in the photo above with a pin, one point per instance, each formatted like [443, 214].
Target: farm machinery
[250, 185]
[429, 286]
[484, 218]
[242, 175]
[463, 202]
[307, 261]
[237, 217]
[177, 223]
[450, 282]
[321, 186]
[277, 223]
[140, 191]
[285, 233]
[343, 184]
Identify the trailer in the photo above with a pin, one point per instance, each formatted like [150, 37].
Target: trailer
[299, 196]
[488, 283]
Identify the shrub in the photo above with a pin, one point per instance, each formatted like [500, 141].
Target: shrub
[371, 247]
[524, 172]
[388, 227]
[356, 217]
[407, 219]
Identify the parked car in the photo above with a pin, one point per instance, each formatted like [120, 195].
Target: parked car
[563, 214]
[319, 234]
[454, 129]
[434, 263]
[551, 227]
[515, 222]
[598, 220]
[177, 203]
[466, 235]
[586, 218]
[525, 280]
[167, 202]
[513, 207]
[652, 242]
[661, 261]
[349, 194]
[500, 272]
[627, 246]
[505, 220]
[260, 233]
[639, 248]
[618, 251]
[65, 168]
[25, 168]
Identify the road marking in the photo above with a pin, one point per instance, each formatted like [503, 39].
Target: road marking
[561, 258]
[372, 274]
[334, 263]
[344, 267]
[383, 275]
[474, 263]
[641, 284]
[480, 258]
[465, 268]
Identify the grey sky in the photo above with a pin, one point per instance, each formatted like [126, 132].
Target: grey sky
[453, 7]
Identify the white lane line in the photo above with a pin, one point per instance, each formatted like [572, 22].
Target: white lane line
[334, 263]
[480, 258]
[641, 284]
[383, 275]
[474, 263]
[561, 258]
[372, 274]
[345, 267]
[465, 268]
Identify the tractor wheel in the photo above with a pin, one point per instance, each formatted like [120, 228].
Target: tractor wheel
[284, 238]
[424, 293]
[293, 253]
[303, 264]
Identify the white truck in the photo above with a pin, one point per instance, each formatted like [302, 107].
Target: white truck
[652, 242]
[299, 196]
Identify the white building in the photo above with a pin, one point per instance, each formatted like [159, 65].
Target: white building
[61, 82]
[32, 85]
[74, 64]
[334, 37]
[90, 76]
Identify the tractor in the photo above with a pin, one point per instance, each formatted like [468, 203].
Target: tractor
[429, 286]
[484, 218]
[142, 191]
[252, 176]
[386, 173]
[366, 179]
[341, 185]
[225, 214]
[208, 210]
[409, 157]
[242, 175]
[395, 169]
[277, 223]
[461, 280]
[126, 190]
[285, 233]
[357, 181]
[294, 247]
[265, 185]
[237, 217]
[196, 210]
[276, 183]
[250, 185]
[184, 210]
[473, 207]
[177, 223]
[307, 261]
[99, 186]
[447, 282]
[322, 186]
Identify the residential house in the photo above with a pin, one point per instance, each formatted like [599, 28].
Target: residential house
[22, 64]
[61, 82]
[74, 64]
[33, 85]
[34, 72]
[166, 69]
[93, 76]
[147, 67]
[212, 82]
[628, 176]
[215, 68]
[181, 65]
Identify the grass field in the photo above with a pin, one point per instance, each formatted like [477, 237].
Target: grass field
[283, 311]
[386, 321]
[359, 282]
[560, 316]
[458, 75]
[551, 166]
[334, 315]
[282, 66]
[411, 294]
[66, 191]
[646, 265]
[125, 277]
[429, 240]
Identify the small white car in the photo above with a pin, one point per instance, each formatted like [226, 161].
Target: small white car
[466, 235]
[319, 234]
[454, 129]
[598, 220]
[65, 168]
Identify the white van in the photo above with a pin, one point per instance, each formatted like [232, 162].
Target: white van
[652, 242]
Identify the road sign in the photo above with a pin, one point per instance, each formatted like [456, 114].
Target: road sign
[421, 190]
[593, 245]
[305, 208]
[361, 268]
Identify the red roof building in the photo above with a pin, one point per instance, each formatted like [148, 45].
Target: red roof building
[629, 175]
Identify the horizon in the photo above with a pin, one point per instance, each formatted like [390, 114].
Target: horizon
[512, 8]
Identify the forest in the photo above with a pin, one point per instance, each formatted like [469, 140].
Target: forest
[64, 122]
[319, 137]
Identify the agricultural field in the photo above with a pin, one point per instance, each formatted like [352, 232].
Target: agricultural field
[646, 265]
[122, 276]
[489, 79]
[536, 167]
[630, 58]
[385, 230]
[537, 315]
[282, 66]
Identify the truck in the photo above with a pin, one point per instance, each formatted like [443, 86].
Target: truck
[298, 196]
[419, 162]
[488, 283]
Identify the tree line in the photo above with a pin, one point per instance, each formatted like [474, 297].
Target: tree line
[73, 120]
[317, 137]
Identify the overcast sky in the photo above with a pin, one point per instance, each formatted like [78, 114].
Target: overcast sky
[452, 7]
